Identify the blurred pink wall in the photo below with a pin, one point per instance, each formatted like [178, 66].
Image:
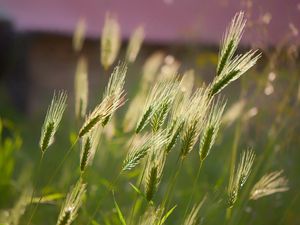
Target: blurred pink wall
[165, 20]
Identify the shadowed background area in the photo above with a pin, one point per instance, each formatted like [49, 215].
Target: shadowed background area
[165, 20]
[36, 35]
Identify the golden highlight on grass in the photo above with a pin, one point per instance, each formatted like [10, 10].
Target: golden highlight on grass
[173, 131]
[245, 166]
[153, 173]
[149, 73]
[89, 146]
[211, 128]
[239, 177]
[193, 217]
[194, 117]
[158, 103]
[113, 98]
[231, 40]
[138, 152]
[71, 205]
[269, 184]
[100, 114]
[52, 120]
[115, 87]
[183, 95]
[150, 217]
[231, 68]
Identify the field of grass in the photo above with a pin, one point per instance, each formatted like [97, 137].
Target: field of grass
[168, 148]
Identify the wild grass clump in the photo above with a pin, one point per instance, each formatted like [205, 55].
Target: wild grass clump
[170, 116]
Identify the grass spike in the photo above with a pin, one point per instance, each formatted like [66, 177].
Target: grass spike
[161, 95]
[194, 118]
[211, 128]
[139, 151]
[245, 166]
[174, 134]
[154, 172]
[72, 203]
[110, 41]
[52, 119]
[230, 41]
[193, 217]
[135, 43]
[270, 183]
[240, 175]
[81, 88]
[79, 35]
[149, 73]
[113, 98]
[234, 70]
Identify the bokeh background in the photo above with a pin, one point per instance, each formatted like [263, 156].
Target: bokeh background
[36, 57]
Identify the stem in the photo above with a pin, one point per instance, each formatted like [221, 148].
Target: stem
[237, 135]
[38, 174]
[113, 184]
[136, 195]
[52, 177]
[228, 214]
[265, 159]
[171, 186]
[194, 189]
[107, 191]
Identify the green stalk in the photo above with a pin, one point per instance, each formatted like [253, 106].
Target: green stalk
[51, 179]
[136, 195]
[38, 174]
[265, 159]
[171, 186]
[114, 183]
[228, 213]
[193, 190]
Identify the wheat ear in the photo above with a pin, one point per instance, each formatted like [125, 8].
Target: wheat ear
[79, 35]
[211, 128]
[239, 177]
[110, 41]
[53, 119]
[231, 40]
[71, 205]
[81, 87]
[113, 98]
[270, 183]
[89, 146]
[135, 43]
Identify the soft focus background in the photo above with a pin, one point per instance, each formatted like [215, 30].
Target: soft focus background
[36, 57]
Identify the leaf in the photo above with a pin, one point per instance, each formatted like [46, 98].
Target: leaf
[106, 183]
[165, 217]
[1, 128]
[137, 190]
[121, 217]
[94, 222]
[73, 138]
[48, 198]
